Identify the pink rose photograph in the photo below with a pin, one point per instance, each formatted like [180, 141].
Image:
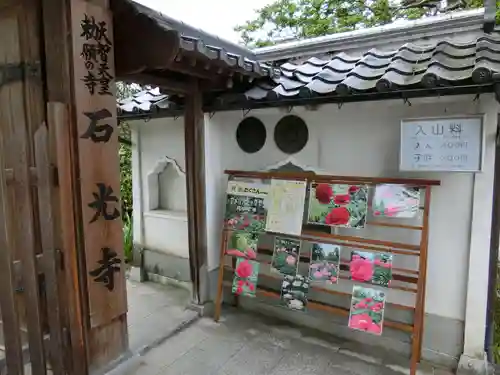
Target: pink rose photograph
[325, 262]
[367, 310]
[285, 256]
[373, 268]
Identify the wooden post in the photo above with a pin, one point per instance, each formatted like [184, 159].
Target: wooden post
[194, 139]
[63, 155]
[93, 81]
[220, 281]
[51, 264]
[419, 318]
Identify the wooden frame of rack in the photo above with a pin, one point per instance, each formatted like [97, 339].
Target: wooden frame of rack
[417, 277]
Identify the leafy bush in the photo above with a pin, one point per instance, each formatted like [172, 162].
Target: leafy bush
[127, 237]
[125, 152]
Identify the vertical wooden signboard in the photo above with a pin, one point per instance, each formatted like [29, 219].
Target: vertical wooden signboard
[95, 111]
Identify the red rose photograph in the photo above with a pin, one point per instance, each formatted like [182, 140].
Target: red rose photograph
[338, 205]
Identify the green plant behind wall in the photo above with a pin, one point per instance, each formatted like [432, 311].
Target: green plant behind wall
[127, 237]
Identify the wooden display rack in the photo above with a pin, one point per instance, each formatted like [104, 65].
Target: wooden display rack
[417, 277]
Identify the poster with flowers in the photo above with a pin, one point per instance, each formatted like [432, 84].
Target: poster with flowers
[374, 268]
[243, 244]
[397, 201]
[246, 205]
[367, 310]
[325, 263]
[285, 256]
[245, 277]
[338, 205]
[294, 291]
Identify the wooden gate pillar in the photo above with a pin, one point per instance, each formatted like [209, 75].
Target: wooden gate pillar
[82, 107]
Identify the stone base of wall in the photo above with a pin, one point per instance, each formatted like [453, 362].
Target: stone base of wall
[475, 366]
[166, 265]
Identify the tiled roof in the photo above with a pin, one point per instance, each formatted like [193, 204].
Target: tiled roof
[144, 101]
[410, 66]
[211, 47]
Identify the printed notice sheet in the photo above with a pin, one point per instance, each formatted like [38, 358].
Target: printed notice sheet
[286, 206]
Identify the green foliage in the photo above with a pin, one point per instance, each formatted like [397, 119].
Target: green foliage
[309, 18]
[317, 210]
[320, 254]
[127, 237]
[357, 208]
[317, 252]
[279, 262]
[332, 257]
[125, 152]
[244, 240]
[381, 276]
[257, 227]
[360, 293]
[123, 91]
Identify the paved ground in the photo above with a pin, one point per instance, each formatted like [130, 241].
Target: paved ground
[244, 344]
[155, 311]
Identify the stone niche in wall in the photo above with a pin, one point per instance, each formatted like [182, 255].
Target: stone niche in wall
[167, 188]
[165, 217]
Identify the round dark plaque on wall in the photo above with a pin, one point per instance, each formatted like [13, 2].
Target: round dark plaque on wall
[291, 134]
[251, 135]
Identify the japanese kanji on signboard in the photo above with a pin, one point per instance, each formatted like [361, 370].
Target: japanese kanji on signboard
[94, 85]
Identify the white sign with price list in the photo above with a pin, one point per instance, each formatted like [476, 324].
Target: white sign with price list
[450, 144]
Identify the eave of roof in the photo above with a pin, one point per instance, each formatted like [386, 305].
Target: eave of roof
[191, 33]
[412, 69]
[313, 101]
[176, 40]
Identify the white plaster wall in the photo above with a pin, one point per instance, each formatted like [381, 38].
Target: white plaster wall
[163, 231]
[362, 139]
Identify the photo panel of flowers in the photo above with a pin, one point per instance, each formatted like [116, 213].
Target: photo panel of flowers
[285, 256]
[243, 244]
[246, 205]
[294, 290]
[374, 268]
[325, 263]
[245, 277]
[397, 201]
[338, 205]
[367, 310]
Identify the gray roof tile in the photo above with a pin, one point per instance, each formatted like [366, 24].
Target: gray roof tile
[144, 101]
[210, 47]
[409, 66]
